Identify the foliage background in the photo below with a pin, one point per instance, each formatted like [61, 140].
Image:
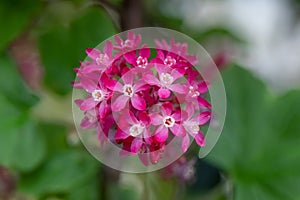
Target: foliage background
[41, 157]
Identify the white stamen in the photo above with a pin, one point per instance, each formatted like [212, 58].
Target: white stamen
[128, 90]
[168, 121]
[169, 61]
[191, 127]
[142, 62]
[98, 95]
[136, 130]
[102, 58]
[166, 78]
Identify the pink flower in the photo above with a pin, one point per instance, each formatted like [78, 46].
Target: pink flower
[166, 81]
[140, 61]
[101, 61]
[129, 92]
[194, 94]
[131, 43]
[169, 120]
[130, 126]
[192, 125]
[98, 96]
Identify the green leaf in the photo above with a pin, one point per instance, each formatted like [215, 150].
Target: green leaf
[13, 87]
[259, 147]
[30, 148]
[21, 146]
[61, 173]
[14, 17]
[62, 47]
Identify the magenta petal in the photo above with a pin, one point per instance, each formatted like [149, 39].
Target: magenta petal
[203, 102]
[78, 102]
[177, 115]
[119, 103]
[200, 139]
[144, 158]
[167, 108]
[88, 85]
[140, 85]
[179, 88]
[118, 40]
[108, 47]
[151, 80]
[176, 74]
[161, 134]
[178, 130]
[115, 86]
[128, 78]
[164, 93]
[121, 135]
[145, 52]
[93, 53]
[136, 145]
[203, 87]
[131, 57]
[85, 123]
[185, 143]
[155, 156]
[102, 109]
[204, 117]
[190, 110]
[88, 104]
[156, 119]
[138, 102]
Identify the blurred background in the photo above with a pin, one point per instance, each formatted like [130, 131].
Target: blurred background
[256, 45]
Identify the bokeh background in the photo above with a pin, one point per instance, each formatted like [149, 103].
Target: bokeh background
[256, 45]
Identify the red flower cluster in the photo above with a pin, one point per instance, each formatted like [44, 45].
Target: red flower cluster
[140, 98]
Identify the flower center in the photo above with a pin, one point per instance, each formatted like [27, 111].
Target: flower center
[136, 130]
[128, 90]
[142, 62]
[127, 43]
[169, 61]
[193, 92]
[98, 95]
[101, 59]
[166, 78]
[191, 127]
[169, 121]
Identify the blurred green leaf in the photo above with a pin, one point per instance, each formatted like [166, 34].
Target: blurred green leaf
[30, 148]
[13, 87]
[21, 146]
[61, 173]
[62, 47]
[14, 17]
[259, 146]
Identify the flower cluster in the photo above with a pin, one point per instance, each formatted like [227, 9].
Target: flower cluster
[140, 98]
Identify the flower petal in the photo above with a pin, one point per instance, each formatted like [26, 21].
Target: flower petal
[136, 145]
[121, 135]
[167, 108]
[156, 119]
[119, 103]
[140, 85]
[128, 78]
[145, 52]
[151, 80]
[108, 47]
[138, 102]
[185, 143]
[88, 104]
[93, 53]
[179, 88]
[204, 117]
[131, 58]
[88, 85]
[200, 139]
[178, 130]
[203, 87]
[203, 102]
[161, 134]
[164, 93]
